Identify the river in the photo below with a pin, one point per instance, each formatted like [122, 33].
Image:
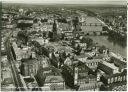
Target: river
[116, 48]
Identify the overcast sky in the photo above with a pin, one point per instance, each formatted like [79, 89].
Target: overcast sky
[116, 2]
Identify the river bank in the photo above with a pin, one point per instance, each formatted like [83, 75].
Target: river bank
[116, 48]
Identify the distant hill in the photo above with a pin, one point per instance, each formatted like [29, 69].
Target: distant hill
[61, 5]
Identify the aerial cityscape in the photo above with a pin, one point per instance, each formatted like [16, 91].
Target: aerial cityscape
[63, 47]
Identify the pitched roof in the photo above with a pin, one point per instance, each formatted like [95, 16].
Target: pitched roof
[51, 79]
[29, 61]
[83, 56]
[83, 67]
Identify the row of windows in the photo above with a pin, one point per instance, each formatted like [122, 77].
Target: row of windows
[92, 64]
[31, 69]
[116, 79]
[92, 24]
[120, 88]
[83, 81]
[91, 87]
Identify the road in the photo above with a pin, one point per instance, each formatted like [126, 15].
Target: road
[16, 77]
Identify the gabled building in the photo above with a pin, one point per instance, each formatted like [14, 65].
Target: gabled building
[68, 61]
[116, 81]
[29, 66]
[50, 78]
[84, 79]
[55, 83]
[108, 68]
[23, 22]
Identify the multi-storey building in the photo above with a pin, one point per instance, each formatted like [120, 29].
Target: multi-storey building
[29, 66]
[50, 78]
[112, 77]
[84, 79]
[55, 83]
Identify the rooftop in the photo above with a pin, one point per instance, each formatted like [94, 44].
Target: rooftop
[93, 60]
[92, 20]
[7, 81]
[91, 85]
[50, 79]
[29, 61]
[85, 55]
[109, 65]
[83, 67]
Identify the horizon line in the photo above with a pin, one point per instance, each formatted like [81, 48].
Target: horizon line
[63, 3]
[122, 2]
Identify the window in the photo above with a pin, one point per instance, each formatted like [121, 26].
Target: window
[115, 79]
[111, 80]
[124, 78]
[118, 78]
[108, 81]
[121, 78]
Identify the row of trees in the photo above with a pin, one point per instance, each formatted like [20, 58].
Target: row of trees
[23, 36]
[67, 75]
[117, 38]
[63, 20]
[86, 40]
[40, 50]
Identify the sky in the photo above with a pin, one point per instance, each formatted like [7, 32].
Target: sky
[116, 2]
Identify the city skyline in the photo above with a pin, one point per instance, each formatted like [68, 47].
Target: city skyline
[113, 2]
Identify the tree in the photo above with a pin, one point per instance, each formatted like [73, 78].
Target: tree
[68, 77]
[87, 40]
[54, 61]
[24, 25]
[35, 20]
[106, 21]
[77, 50]
[101, 49]
[62, 57]
[50, 35]
[22, 70]
[54, 30]
[103, 88]
[32, 33]
[112, 59]
[40, 77]
[28, 13]
[45, 51]
[23, 36]
[44, 34]
[72, 42]
[75, 22]
[105, 28]
[44, 20]
[35, 43]
[13, 53]
[62, 36]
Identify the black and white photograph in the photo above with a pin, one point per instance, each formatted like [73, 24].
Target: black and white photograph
[63, 45]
